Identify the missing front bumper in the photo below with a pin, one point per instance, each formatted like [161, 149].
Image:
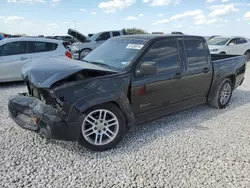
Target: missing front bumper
[32, 114]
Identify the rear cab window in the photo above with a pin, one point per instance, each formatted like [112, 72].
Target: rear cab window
[37, 46]
[195, 52]
[116, 33]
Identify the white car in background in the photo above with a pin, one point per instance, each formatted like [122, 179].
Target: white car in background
[230, 45]
[16, 52]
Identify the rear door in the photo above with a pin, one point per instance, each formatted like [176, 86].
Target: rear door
[152, 93]
[233, 47]
[13, 56]
[39, 49]
[242, 46]
[198, 70]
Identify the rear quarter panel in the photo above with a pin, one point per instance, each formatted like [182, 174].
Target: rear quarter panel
[233, 67]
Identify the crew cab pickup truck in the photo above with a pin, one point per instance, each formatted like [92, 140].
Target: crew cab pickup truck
[128, 80]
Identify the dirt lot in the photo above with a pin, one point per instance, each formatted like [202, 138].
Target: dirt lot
[200, 147]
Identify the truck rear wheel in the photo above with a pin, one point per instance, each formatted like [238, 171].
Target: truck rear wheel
[247, 54]
[223, 94]
[103, 127]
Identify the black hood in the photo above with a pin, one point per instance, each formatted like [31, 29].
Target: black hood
[45, 72]
[77, 35]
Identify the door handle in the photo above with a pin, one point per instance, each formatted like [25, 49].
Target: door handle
[24, 58]
[178, 75]
[206, 70]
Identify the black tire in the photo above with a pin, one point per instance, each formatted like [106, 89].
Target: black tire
[223, 53]
[83, 53]
[247, 54]
[216, 101]
[120, 134]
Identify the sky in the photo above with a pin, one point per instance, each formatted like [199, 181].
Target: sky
[55, 17]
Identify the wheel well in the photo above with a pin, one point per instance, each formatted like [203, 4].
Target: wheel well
[247, 51]
[222, 52]
[232, 78]
[86, 49]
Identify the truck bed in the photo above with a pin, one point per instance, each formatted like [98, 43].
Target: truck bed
[216, 57]
[229, 66]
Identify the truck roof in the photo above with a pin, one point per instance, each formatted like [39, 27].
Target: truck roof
[156, 36]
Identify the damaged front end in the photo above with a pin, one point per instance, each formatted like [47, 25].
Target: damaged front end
[32, 114]
[59, 91]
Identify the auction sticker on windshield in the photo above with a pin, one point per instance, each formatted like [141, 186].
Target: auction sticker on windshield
[134, 46]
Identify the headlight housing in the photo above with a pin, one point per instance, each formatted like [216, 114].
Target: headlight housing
[213, 50]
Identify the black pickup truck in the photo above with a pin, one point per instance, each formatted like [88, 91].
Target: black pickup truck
[126, 81]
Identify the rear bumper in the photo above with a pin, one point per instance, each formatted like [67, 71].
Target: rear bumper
[75, 56]
[32, 114]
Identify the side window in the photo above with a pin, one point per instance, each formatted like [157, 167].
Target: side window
[195, 51]
[233, 41]
[116, 33]
[104, 36]
[164, 53]
[241, 41]
[13, 48]
[35, 46]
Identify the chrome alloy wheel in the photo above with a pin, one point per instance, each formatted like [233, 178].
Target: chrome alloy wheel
[100, 127]
[225, 93]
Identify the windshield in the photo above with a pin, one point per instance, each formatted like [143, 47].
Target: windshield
[93, 37]
[218, 41]
[116, 53]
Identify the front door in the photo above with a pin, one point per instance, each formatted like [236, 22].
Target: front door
[234, 48]
[13, 56]
[152, 93]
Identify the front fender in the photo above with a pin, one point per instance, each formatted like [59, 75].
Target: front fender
[113, 90]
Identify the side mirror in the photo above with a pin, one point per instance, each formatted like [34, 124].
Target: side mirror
[148, 68]
[231, 44]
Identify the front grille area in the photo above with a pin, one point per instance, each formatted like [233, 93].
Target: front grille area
[43, 95]
[33, 91]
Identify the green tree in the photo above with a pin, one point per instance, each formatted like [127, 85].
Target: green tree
[135, 31]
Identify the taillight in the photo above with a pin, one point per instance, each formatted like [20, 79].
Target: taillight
[68, 54]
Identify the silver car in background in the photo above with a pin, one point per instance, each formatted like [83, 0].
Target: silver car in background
[16, 52]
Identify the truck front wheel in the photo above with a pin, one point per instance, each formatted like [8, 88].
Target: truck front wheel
[103, 127]
[223, 94]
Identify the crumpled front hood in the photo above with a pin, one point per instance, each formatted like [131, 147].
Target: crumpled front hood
[47, 71]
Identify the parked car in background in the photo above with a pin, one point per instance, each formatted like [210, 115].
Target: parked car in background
[230, 45]
[67, 39]
[79, 51]
[127, 80]
[177, 32]
[16, 52]
[1, 37]
[210, 37]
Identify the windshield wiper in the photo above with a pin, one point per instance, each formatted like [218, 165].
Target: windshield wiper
[85, 61]
[101, 64]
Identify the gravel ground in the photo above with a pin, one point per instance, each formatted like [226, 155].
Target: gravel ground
[200, 147]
